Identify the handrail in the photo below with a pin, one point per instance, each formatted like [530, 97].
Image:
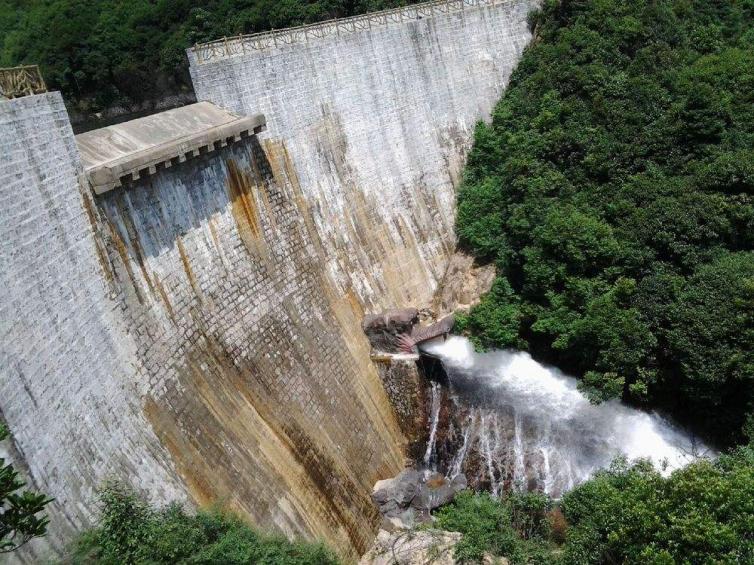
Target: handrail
[238, 45]
[21, 81]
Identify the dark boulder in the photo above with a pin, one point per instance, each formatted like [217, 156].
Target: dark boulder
[383, 330]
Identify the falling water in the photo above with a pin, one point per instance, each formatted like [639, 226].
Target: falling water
[434, 420]
[522, 424]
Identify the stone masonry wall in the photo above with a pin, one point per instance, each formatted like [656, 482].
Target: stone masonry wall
[377, 124]
[178, 334]
[250, 375]
[67, 378]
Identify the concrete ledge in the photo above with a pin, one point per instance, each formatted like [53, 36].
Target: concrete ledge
[125, 152]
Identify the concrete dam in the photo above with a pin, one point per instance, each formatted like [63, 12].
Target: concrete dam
[181, 296]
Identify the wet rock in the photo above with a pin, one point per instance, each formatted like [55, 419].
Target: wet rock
[406, 520]
[393, 496]
[412, 490]
[383, 329]
[436, 490]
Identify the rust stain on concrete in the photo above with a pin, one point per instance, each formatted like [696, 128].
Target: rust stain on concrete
[187, 268]
[164, 296]
[243, 205]
[133, 238]
[231, 443]
[120, 247]
[91, 215]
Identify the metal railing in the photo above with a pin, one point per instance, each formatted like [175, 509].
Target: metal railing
[21, 81]
[240, 44]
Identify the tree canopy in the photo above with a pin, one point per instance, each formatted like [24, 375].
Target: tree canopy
[131, 531]
[102, 53]
[628, 514]
[614, 190]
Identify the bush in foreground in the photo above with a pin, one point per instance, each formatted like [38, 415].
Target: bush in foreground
[130, 531]
[628, 514]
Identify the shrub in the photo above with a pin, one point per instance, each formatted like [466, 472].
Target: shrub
[631, 514]
[513, 526]
[130, 531]
[19, 508]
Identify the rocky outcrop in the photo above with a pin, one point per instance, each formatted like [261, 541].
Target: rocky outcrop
[463, 285]
[418, 547]
[412, 548]
[409, 497]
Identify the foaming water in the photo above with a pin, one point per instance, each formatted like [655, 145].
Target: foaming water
[525, 425]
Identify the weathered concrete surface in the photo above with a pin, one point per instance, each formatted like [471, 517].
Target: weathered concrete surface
[197, 333]
[179, 334]
[68, 365]
[253, 380]
[140, 146]
[377, 125]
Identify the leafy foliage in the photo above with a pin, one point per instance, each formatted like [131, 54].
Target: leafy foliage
[703, 513]
[614, 189]
[101, 53]
[130, 531]
[515, 526]
[19, 508]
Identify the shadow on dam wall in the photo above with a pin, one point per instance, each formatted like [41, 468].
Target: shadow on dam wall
[219, 279]
[196, 333]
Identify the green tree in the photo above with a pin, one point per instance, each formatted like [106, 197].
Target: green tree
[614, 192]
[632, 514]
[19, 507]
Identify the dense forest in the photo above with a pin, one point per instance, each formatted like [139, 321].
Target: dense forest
[614, 190]
[103, 53]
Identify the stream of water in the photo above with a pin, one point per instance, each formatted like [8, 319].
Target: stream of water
[516, 423]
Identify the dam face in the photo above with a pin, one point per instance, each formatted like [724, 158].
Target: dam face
[377, 119]
[196, 331]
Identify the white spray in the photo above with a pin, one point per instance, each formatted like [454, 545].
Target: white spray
[559, 438]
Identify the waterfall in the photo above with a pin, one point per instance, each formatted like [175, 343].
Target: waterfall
[434, 419]
[529, 427]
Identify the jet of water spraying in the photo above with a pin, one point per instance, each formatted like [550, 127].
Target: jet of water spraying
[531, 427]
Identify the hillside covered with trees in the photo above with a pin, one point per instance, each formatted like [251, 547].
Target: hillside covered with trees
[614, 190]
[102, 53]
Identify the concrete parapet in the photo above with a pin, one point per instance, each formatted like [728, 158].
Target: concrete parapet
[125, 152]
[231, 46]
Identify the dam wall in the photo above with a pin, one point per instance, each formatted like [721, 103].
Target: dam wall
[195, 332]
[68, 390]
[377, 116]
[178, 334]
